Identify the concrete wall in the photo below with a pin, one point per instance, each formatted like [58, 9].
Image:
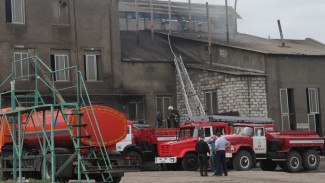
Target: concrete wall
[43, 35]
[150, 80]
[245, 94]
[297, 73]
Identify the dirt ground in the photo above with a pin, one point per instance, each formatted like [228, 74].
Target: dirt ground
[256, 175]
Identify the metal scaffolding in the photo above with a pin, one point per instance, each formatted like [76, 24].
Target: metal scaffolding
[30, 107]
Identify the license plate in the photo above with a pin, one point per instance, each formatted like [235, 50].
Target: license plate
[165, 160]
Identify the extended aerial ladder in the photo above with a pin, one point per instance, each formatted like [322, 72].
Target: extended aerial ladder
[192, 102]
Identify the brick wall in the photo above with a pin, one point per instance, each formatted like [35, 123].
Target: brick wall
[245, 94]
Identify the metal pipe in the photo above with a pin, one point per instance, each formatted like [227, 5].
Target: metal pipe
[281, 34]
[52, 146]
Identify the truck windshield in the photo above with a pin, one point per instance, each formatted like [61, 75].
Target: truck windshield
[242, 130]
[188, 132]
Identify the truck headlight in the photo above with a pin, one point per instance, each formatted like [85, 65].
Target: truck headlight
[232, 148]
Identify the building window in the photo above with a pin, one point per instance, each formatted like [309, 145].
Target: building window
[60, 62]
[91, 65]
[287, 109]
[21, 67]
[211, 103]
[136, 111]
[15, 11]
[163, 102]
[313, 109]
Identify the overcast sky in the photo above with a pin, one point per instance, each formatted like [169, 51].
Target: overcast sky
[299, 18]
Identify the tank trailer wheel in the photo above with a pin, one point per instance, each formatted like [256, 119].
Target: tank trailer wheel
[190, 162]
[310, 160]
[293, 162]
[48, 174]
[243, 161]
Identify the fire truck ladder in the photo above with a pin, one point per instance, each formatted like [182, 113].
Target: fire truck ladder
[28, 106]
[192, 102]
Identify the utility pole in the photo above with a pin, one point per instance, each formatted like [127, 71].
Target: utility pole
[170, 18]
[227, 25]
[137, 20]
[151, 20]
[235, 14]
[209, 32]
[190, 15]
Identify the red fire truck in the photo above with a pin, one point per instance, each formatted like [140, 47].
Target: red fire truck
[181, 152]
[291, 150]
[142, 141]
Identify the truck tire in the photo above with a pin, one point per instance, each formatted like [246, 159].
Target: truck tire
[48, 174]
[243, 161]
[268, 165]
[190, 162]
[293, 162]
[310, 160]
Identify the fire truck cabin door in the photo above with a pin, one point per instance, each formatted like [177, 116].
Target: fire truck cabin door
[259, 140]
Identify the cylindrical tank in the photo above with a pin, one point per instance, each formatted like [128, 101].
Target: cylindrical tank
[112, 125]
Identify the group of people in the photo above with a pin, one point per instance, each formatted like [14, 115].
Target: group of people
[218, 155]
[173, 118]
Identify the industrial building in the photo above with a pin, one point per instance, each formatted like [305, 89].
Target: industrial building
[129, 66]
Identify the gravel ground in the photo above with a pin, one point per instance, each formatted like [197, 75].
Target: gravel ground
[256, 175]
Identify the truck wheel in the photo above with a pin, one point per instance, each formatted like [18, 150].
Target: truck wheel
[293, 161]
[243, 161]
[190, 162]
[48, 174]
[310, 160]
[268, 165]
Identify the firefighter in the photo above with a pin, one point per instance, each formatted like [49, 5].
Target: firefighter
[202, 149]
[173, 117]
[211, 141]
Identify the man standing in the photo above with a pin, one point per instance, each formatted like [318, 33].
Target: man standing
[159, 119]
[202, 148]
[211, 141]
[220, 147]
[174, 117]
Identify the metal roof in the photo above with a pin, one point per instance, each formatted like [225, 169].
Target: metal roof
[307, 47]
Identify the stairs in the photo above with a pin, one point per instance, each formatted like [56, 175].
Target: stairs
[91, 158]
